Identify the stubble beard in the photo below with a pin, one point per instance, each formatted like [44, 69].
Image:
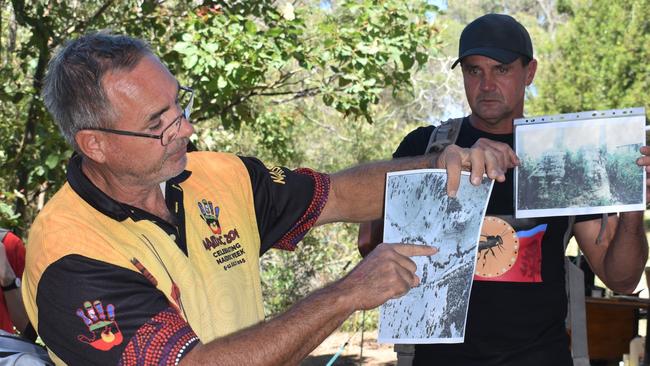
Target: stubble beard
[493, 115]
[182, 145]
[162, 172]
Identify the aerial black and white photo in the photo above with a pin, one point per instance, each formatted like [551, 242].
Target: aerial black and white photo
[418, 211]
[578, 165]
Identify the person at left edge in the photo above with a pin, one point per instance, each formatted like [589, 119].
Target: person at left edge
[150, 254]
[12, 262]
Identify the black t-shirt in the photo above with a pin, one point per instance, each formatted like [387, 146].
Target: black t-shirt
[518, 301]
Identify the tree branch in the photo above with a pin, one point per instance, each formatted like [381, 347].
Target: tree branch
[296, 95]
[81, 26]
[327, 127]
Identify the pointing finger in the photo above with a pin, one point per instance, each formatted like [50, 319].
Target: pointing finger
[413, 250]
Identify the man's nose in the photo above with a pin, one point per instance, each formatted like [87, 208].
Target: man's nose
[487, 82]
[187, 129]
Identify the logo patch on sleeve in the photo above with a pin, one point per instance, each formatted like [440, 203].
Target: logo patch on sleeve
[104, 332]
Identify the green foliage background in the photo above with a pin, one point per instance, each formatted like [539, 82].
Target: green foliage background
[300, 84]
[596, 59]
[290, 82]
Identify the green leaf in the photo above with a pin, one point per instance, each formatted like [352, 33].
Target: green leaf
[222, 82]
[421, 58]
[369, 49]
[190, 61]
[328, 99]
[231, 66]
[187, 37]
[39, 171]
[182, 47]
[52, 161]
[211, 47]
[274, 32]
[369, 82]
[407, 61]
[250, 27]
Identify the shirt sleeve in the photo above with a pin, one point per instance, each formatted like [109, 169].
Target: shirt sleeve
[287, 202]
[583, 218]
[15, 250]
[415, 143]
[101, 321]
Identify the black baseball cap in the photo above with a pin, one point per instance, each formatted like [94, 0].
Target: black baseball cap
[497, 36]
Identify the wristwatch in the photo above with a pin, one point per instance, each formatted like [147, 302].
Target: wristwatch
[12, 286]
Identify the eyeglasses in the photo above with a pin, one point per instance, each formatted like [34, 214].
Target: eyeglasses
[168, 134]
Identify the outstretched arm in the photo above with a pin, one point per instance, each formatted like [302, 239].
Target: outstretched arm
[356, 194]
[287, 339]
[84, 319]
[622, 254]
[618, 260]
[492, 157]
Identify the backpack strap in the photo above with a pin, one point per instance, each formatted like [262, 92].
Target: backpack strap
[576, 314]
[603, 225]
[443, 135]
[405, 354]
[575, 287]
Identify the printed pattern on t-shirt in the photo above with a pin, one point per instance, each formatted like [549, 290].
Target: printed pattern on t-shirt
[163, 340]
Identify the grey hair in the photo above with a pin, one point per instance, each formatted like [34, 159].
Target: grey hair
[72, 89]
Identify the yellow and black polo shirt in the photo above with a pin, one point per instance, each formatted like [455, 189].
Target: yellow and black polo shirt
[107, 283]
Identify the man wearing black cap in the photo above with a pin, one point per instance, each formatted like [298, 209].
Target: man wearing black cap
[518, 301]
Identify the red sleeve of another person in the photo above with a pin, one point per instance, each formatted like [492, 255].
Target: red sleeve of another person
[16, 255]
[15, 250]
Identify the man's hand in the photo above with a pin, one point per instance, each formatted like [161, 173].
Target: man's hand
[485, 157]
[644, 161]
[7, 274]
[386, 273]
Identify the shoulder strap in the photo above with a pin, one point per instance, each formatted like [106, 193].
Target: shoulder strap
[576, 314]
[443, 135]
[405, 354]
[3, 233]
[569, 231]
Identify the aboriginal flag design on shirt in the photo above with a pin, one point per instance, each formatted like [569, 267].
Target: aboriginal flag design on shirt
[509, 255]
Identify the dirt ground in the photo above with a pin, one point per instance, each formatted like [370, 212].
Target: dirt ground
[374, 354]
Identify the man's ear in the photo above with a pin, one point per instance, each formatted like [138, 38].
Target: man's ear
[91, 145]
[531, 69]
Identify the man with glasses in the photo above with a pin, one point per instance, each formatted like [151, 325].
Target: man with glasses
[185, 100]
[150, 254]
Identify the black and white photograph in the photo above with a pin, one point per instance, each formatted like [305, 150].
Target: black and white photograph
[418, 211]
[580, 163]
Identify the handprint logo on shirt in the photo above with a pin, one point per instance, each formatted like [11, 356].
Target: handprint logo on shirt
[105, 334]
[210, 215]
